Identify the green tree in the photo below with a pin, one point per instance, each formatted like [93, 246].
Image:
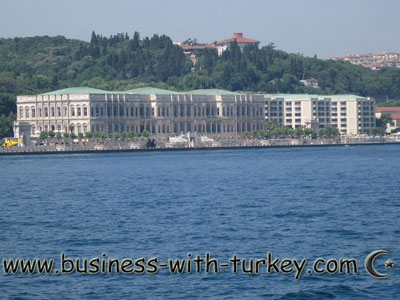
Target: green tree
[6, 125]
[44, 134]
[51, 134]
[7, 104]
[328, 132]
[145, 133]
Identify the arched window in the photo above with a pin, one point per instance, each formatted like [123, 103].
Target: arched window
[85, 111]
[26, 112]
[79, 128]
[33, 112]
[59, 111]
[79, 110]
[46, 112]
[40, 112]
[85, 127]
[72, 111]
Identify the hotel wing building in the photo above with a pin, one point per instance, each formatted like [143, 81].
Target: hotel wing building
[158, 111]
[351, 114]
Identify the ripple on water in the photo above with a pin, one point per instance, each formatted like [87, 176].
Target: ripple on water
[298, 203]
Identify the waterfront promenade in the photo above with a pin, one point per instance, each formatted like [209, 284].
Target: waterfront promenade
[54, 146]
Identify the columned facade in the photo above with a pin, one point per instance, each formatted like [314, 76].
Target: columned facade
[160, 112]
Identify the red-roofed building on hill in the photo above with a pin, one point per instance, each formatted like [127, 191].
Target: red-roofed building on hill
[238, 37]
[393, 112]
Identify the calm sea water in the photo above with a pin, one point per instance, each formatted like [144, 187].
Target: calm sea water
[299, 203]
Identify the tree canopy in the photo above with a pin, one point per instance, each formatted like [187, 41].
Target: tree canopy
[40, 64]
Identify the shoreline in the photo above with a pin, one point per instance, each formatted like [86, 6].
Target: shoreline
[94, 151]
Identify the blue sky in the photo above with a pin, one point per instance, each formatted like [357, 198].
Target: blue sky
[323, 27]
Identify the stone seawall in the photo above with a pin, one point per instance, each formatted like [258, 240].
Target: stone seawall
[54, 146]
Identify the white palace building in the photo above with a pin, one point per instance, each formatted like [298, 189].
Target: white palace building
[164, 112]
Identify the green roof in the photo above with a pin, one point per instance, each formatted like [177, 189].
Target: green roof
[150, 91]
[208, 92]
[139, 91]
[309, 96]
[212, 92]
[77, 90]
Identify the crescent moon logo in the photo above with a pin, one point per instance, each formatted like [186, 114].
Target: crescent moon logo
[369, 263]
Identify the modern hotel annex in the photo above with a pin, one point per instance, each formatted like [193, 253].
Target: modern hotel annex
[351, 114]
[156, 110]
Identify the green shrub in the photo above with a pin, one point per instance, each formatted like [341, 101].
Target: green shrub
[44, 134]
[145, 133]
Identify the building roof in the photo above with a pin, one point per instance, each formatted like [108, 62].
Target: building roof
[149, 91]
[197, 47]
[238, 37]
[388, 109]
[310, 80]
[139, 91]
[310, 96]
[395, 116]
[212, 92]
[77, 90]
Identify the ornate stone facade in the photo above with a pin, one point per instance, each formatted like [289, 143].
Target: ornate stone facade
[158, 111]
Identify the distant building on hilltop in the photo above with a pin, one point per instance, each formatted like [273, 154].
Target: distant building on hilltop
[373, 61]
[221, 46]
[310, 82]
[238, 37]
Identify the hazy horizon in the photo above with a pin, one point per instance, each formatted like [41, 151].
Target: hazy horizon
[327, 29]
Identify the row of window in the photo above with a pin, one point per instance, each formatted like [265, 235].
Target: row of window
[30, 112]
[177, 110]
[58, 128]
[141, 111]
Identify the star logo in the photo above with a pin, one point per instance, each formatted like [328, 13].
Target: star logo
[389, 264]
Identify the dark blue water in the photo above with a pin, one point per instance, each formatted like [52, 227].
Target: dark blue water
[296, 203]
